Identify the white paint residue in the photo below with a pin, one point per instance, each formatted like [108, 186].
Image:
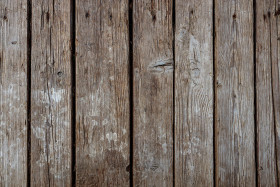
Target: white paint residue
[56, 95]
[182, 35]
[111, 136]
[194, 50]
[164, 147]
[53, 95]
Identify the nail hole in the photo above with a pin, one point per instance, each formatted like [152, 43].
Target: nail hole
[59, 73]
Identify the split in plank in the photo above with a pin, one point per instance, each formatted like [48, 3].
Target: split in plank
[51, 93]
[267, 92]
[152, 93]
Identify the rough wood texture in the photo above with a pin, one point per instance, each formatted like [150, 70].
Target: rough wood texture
[194, 93]
[13, 92]
[51, 94]
[234, 120]
[102, 93]
[152, 93]
[267, 91]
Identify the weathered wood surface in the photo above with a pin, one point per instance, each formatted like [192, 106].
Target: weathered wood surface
[13, 92]
[234, 84]
[214, 120]
[152, 93]
[194, 93]
[267, 91]
[102, 93]
[51, 94]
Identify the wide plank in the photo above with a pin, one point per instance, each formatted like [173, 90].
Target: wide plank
[51, 93]
[194, 93]
[102, 93]
[13, 92]
[234, 99]
[152, 93]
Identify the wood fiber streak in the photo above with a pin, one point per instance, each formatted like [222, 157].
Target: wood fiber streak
[267, 91]
[51, 93]
[102, 93]
[194, 93]
[152, 93]
[234, 68]
[13, 92]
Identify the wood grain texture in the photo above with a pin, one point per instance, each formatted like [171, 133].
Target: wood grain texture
[194, 93]
[234, 68]
[13, 92]
[102, 93]
[276, 82]
[51, 94]
[267, 91]
[152, 93]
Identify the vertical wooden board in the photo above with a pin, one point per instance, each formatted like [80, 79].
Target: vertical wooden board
[51, 94]
[276, 80]
[152, 93]
[102, 93]
[234, 68]
[194, 93]
[267, 85]
[13, 92]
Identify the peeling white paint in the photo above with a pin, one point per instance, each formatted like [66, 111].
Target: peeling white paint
[111, 136]
[164, 147]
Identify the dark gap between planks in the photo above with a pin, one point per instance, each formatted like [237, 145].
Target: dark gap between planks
[130, 33]
[255, 90]
[73, 88]
[29, 45]
[214, 95]
[173, 46]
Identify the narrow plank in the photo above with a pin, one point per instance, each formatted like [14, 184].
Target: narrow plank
[102, 93]
[267, 91]
[234, 68]
[194, 93]
[152, 93]
[51, 94]
[13, 92]
[276, 82]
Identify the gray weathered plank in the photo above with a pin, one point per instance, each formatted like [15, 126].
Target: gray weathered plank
[13, 92]
[194, 93]
[275, 38]
[152, 93]
[102, 93]
[51, 94]
[234, 68]
[267, 91]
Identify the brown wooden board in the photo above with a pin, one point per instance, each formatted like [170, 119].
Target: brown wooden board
[102, 93]
[13, 92]
[234, 87]
[152, 93]
[194, 93]
[267, 91]
[51, 94]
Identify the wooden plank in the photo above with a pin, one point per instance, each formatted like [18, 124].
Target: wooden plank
[194, 93]
[152, 93]
[102, 93]
[275, 38]
[51, 94]
[267, 91]
[13, 92]
[234, 68]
